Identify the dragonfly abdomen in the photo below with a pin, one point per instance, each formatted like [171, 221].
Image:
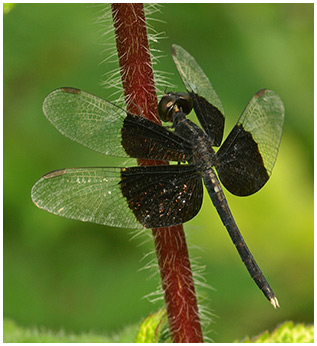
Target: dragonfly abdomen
[219, 200]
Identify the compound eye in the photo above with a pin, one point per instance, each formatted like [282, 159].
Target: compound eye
[185, 102]
[166, 107]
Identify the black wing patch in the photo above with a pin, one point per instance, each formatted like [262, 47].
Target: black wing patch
[210, 118]
[161, 196]
[142, 138]
[246, 159]
[240, 165]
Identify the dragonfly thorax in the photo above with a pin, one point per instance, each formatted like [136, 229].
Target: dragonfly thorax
[204, 156]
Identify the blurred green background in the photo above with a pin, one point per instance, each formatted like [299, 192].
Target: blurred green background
[68, 274]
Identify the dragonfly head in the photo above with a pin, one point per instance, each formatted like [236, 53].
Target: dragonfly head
[172, 103]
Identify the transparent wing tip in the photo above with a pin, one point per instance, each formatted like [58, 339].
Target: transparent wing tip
[173, 49]
[176, 50]
[274, 302]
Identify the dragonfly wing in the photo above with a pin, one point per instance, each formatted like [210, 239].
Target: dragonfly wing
[86, 194]
[207, 105]
[107, 128]
[86, 119]
[135, 197]
[246, 159]
[163, 196]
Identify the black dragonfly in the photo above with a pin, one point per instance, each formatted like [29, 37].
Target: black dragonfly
[165, 195]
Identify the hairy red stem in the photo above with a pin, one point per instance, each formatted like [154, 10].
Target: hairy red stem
[171, 249]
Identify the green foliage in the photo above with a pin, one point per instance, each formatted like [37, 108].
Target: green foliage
[17, 334]
[7, 8]
[287, 332]
[150, 331]
[152, 327]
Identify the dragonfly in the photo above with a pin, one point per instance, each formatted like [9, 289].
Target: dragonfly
[169, 194]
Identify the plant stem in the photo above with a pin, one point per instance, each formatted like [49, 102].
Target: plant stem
[178, 284]
[171, 249]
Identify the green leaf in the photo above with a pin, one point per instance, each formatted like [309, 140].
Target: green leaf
[152, 327]
[286, 333]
